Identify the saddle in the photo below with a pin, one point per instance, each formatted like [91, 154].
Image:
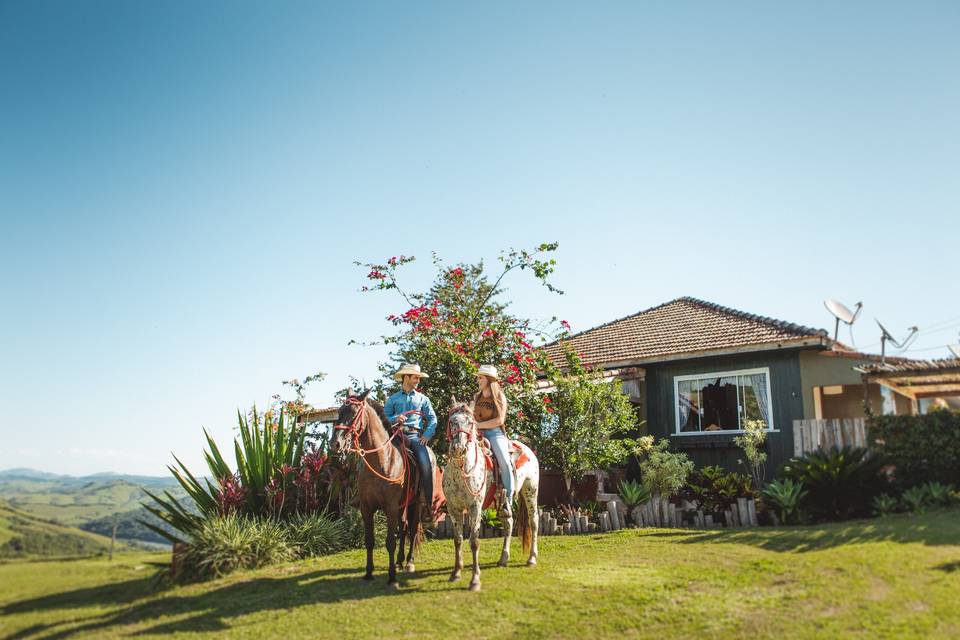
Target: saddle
[519, 457]
[437, 509]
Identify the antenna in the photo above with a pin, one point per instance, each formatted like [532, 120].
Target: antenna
[887, 337]
[954, 349]
[841, 313]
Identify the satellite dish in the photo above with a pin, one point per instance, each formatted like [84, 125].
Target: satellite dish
[888, 337]
[842, 314]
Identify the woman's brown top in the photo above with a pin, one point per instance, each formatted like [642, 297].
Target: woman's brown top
[486, 409]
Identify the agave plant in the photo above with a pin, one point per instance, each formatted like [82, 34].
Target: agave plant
[940, 495]
[633, 494]
[785, 496]
[885, 504]
[267, 452]
[915, 499]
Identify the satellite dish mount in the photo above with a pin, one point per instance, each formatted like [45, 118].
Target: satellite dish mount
[842, 313]
[887, 337]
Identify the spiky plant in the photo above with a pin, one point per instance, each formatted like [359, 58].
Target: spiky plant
[785, 496]
[885, 504]
[633, 493]
[267, 452]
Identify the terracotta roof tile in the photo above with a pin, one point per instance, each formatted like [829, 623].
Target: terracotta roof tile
[682, 326]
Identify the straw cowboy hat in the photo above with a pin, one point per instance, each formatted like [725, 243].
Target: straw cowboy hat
[412, 369]
[488, 370]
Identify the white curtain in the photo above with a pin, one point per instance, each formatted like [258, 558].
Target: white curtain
[684, 402]
[759, 383]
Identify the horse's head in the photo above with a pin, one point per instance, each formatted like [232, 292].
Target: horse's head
[461, 427]
[350, 423]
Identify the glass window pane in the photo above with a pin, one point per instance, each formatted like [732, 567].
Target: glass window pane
[688, 398]
[719, 397]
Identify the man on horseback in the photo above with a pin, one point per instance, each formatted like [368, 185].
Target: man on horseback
[412, 410]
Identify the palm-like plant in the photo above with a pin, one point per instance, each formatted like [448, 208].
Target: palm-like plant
[633, 494]
[266, 452]
[785, 496]
[841, 483]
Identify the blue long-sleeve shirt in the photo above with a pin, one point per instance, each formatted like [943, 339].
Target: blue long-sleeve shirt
[414, 401]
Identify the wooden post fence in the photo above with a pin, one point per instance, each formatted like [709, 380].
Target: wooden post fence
[811, 435]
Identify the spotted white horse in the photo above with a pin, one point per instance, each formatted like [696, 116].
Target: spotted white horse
[466, 481]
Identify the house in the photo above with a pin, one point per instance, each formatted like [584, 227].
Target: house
[698, 371]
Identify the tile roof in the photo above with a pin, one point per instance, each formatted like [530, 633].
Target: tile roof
[683, 326]
[916, 367]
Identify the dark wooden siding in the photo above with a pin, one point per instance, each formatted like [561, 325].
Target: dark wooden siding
[786, 398]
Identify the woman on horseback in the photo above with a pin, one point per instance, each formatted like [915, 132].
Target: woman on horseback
[490, 409]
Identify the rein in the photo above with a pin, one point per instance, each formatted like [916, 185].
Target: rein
[471, 439]
[356, 428]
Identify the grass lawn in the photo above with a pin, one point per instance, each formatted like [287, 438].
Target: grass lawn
[891, 577]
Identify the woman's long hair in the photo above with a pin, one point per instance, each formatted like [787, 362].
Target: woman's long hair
[499, 399]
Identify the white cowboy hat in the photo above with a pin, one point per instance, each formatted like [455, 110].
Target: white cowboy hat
[488, 370]
[408, 368]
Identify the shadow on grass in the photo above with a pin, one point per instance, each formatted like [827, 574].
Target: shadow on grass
[210, 610]
[948, 567]
[939, 528]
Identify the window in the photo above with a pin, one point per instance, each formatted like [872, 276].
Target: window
[722, 402]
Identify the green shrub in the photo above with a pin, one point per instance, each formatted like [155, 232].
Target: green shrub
[840, 483]
[915, 499]
[490, 518]
[633, 494]
[318, 534]
[885, 504]
[223, 544]
[938, 495]
[664, 472]
[714, 490]
[920, 448]
[785, 496]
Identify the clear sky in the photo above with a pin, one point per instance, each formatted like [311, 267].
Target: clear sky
[183, 186]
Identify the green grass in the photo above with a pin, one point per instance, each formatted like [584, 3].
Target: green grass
[892, 577]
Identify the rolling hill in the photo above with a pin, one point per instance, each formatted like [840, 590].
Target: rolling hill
[23, 535]
[88, 502]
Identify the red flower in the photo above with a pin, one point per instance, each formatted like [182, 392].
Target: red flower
[488, 333]
[565, 325]
[547, 400]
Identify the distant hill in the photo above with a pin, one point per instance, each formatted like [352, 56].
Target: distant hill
[24, 536]
[90, 502]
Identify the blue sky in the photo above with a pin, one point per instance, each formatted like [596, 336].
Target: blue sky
[184, 186]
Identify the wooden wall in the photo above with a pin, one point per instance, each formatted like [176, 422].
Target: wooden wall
[786, 398]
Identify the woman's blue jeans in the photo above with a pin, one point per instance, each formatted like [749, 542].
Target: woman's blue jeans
[500, 445]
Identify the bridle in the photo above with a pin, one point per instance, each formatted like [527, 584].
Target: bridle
[471, 439]
[356, 429]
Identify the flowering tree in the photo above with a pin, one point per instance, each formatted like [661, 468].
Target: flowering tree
[461, 322]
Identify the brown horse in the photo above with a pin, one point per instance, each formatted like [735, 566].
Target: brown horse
[386, 480]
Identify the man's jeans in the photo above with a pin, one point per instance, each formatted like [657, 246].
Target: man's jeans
[420, 454]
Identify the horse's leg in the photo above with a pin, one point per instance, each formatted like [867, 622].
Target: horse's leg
[413, 526]
[529, 496]
[392, 522]
[456, 519]
[475, 508]
[507, 533]
[367, 514]
[403, 532]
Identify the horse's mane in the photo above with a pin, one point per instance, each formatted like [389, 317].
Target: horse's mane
[384, 420]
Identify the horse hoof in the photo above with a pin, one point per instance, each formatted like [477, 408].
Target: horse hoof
[368, 577]
[532, 562]
[393, 586]
[474, 586]
[411, 568]
[454, 577]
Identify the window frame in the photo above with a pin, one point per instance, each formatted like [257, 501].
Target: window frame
[719, 374]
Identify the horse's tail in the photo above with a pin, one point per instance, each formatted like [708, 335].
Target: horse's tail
[524, 530]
